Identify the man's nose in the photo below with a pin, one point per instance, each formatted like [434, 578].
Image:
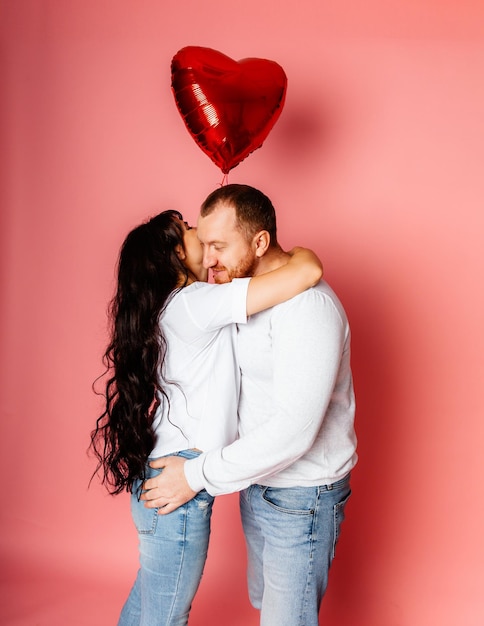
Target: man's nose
[208, 259]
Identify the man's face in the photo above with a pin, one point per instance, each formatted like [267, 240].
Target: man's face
[226, 251]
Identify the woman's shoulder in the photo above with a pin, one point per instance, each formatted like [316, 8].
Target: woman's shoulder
[193, 294]
[189, 289]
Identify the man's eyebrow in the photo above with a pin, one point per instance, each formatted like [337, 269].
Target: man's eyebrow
[211, 242]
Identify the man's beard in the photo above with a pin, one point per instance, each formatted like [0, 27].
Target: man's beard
[246, 267]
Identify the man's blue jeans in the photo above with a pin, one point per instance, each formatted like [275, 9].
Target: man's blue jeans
[291, 535]
[172, 553]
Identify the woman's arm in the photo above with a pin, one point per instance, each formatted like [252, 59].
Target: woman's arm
[303, 270]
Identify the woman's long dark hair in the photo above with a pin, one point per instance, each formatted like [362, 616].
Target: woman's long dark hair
[149, 270]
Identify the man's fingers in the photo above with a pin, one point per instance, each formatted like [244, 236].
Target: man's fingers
[163, 504]
[155, 503]
[168, 508]
[149, 484]
[155, 495]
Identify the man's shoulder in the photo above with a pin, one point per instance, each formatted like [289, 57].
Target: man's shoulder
[315, 294]
[324, 290]
[312, 301]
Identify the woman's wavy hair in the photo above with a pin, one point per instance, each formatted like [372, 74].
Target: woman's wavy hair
[148, 272]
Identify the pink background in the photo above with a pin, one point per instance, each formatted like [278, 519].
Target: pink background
[376, 162]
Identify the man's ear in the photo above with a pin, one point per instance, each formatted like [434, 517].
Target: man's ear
[180, 252]
[262, 242]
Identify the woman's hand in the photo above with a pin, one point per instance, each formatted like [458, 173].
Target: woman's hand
[308, 261]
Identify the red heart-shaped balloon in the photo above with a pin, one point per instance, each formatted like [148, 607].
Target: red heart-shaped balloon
[229, 107]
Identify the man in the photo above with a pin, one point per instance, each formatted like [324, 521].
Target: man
[296, 443]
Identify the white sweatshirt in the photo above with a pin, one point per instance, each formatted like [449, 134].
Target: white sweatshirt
[297, 406]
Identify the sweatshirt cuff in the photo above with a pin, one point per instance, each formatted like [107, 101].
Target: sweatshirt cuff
[193, 469]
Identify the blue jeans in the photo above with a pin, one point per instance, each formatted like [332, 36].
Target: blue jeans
[291, 535]
[172, 553]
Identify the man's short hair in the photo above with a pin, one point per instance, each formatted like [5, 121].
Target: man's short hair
[253, 209]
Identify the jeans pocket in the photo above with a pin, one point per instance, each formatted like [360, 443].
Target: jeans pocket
[291, 500]
[145, 520]
[338, 519]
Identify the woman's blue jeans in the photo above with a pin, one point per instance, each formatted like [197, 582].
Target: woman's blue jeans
[291, 535]
[172, 553]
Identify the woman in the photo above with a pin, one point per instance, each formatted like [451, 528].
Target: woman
[173, 389]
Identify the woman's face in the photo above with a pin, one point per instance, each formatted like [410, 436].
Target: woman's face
[193, 260]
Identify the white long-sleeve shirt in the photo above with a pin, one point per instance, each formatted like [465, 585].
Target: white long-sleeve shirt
[199, 326]
[297, 406]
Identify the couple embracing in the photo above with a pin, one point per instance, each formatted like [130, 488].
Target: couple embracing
[241, 385]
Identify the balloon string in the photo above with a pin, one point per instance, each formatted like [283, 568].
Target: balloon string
[225, 180]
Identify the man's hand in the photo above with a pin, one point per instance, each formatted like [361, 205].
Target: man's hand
[168, 490]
